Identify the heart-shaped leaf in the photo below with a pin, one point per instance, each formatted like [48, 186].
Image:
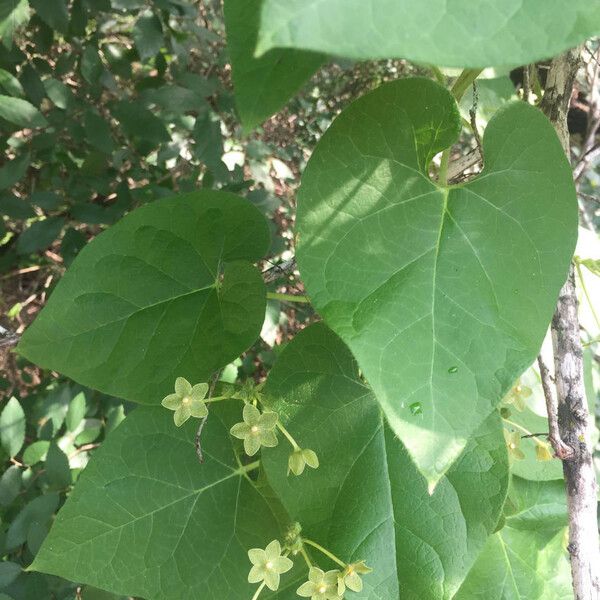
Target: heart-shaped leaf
[147, 519]
[263, 85]
[453, 34]
[367, 500]
[167, 292]
[442, 293]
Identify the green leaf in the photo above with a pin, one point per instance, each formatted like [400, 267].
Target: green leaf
[140, 305]
[20, 112]
[443, 294]
[9, 571]
[12, 427]
[145, 512]
[519, 564]
[36, 452]
[262, 85]
[536, 505]
[98, 133]
[59, 93]
[138, 122]
[13, 14]
[40, 235]
[58, 472]
[39, 510]
[11, 84]
[10, 485]
[148, 35]
[76, 412]
[367, 500]
[54, 13]
[456, 34]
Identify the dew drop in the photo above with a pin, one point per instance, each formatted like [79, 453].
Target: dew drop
[453, 369]
[416, 408]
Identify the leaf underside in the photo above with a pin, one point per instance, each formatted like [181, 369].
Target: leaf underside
[367, 500]
[139, 305]
[442, 294]
[457, 34]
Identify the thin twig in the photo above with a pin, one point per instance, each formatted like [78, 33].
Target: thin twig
[473, 115]
[198, 439]
[561, 450]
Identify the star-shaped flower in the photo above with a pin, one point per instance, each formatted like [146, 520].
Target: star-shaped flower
[350, 578]
[187, 401]
[513, 441]
[518, 395]
[257, 429]
[320, 585]
[542, 451]
[268, 565]
[300, 458]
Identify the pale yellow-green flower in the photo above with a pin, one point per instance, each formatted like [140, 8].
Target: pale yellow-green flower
[256, 430]
[187, 401]
[299, 458]
[268, 565]
[320, 585]
[350, 577]
[517, 396]
[513, 443]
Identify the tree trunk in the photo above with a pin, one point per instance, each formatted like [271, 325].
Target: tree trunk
[573, 414]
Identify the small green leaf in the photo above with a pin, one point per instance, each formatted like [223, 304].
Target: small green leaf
[54, 13]
[40, 235]
[9, 571]
[10, 485]
[148, 35]
[13, 14]
[443, 294]
[262, 85]
[11, 84]
[169, 291]
[59, 93]
[12, 427]
[39, 510]
[454, 34]
[20, 112]
[76, 412]
[58, 472]
[36, 452]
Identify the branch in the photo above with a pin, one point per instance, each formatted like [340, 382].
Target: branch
[573, 416]
[561, 450]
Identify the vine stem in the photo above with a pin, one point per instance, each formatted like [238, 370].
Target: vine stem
[306, 557]
[287, 297]
[320, 548]
[260, 588]
[288, 435]
[461, 85]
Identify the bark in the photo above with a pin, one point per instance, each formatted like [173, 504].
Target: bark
[573, 415]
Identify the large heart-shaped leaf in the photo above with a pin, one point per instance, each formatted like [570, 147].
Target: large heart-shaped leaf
[367, 500]
[442, 293]
[169, 291]
[462, 33]
[263, 85]
[147, 519]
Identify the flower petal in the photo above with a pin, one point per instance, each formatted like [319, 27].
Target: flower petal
[182, 414]
[330, 578]
[283, 564]
[257, 574]
[251, 444]
[268, 439]
[306, 590]
[199, 391]
[240, 431]
[296, 463]
[310, 458]
[172, 401]
[257, 556]
[268, 420]
[353, 582]
[273, 550]
[316, 575]
[198, 409]
[271, 579]
[183, 387]
[251, 414]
